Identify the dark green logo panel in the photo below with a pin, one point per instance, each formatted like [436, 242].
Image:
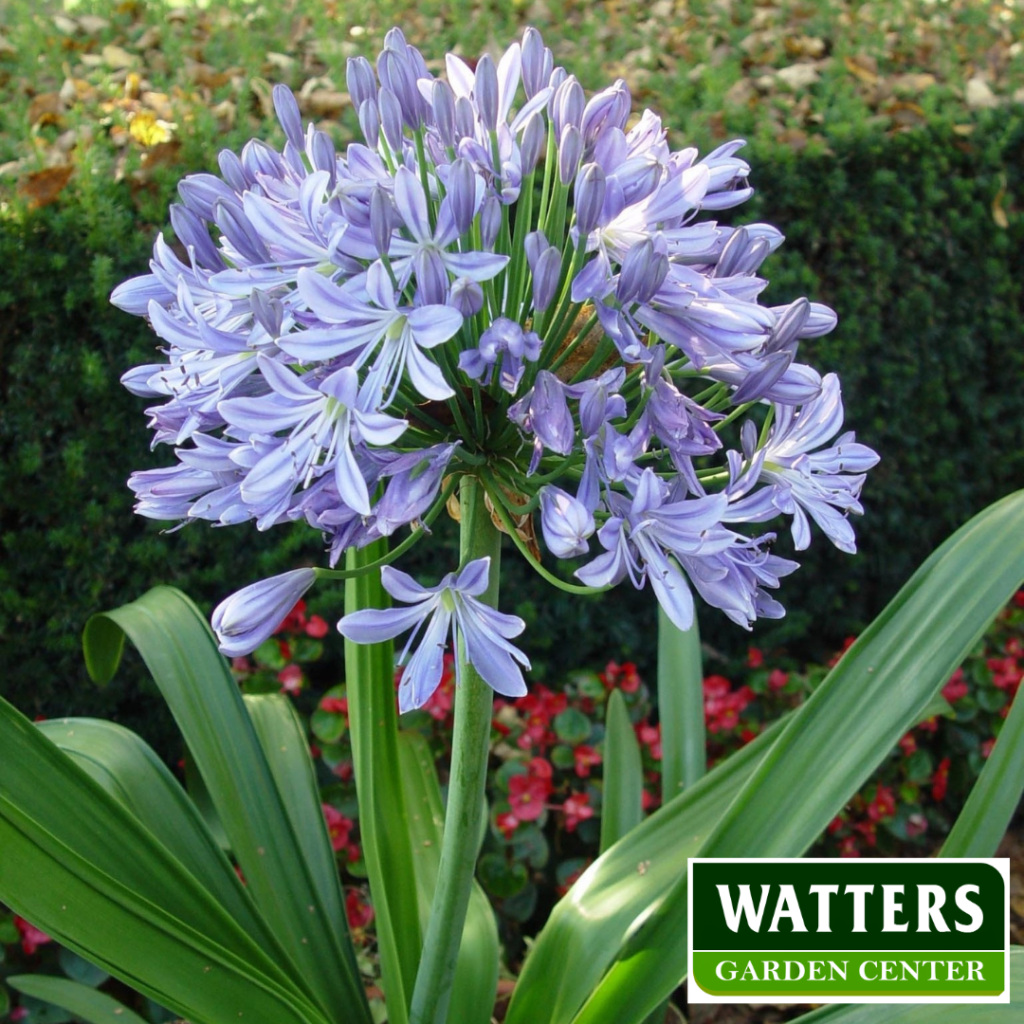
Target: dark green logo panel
[849, 930]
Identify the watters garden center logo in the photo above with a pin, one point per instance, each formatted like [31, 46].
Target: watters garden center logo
[848, 931]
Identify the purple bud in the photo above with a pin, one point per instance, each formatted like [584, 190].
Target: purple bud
[567, 105]
[643, 273]
[565, 522]
[466, 296]
[442, 101]
[652, 371]
[570, 150]
[323, 156]
[201, 192]
[369, 122]
[462, 194]
[192, 232]
[532, 145]
[767, 373]
[244, 620]
[396, 73]
[232, 171]
[544, 411]
[268, 312]
[742, 254]
[546, 276]
[537, 63]
[589, 197]
[361, 81]
[431, 278]
[534, 245]
[240, 233]
[259, 158]
[391, 119]
[485, 92]
[465, 118]
[382, 220]
[789, 327]
[415, 479]
[608, 109]
[490, 222]
[558, 76]
[288, 114]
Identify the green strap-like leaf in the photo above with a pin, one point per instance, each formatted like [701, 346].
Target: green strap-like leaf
[837, 738]
[85, 1003]
[383, 825]
[181, 654]
[931, 1013]
[992, 803]
[622, 802]
[284, 743]
[588, 926]
[126, 767]
[81, 867]
[680, 706]
[476, 975]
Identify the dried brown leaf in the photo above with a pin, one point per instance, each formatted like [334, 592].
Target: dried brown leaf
[44, 187]
[325, 103]
[864, 67]
[45, 108]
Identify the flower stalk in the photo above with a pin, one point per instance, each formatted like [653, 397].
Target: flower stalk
[464, 814]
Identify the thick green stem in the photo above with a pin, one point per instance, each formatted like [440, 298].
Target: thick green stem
[464, 813]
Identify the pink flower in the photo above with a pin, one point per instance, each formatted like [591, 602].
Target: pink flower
[777, 679]
[338, 827]
[317, 627]
[576, 809]
[291, 679]
[527, 795]
[359, 911]
[755, 657]
[956, 687]
[586, 758]
[31, 937]
[334, 705]
[507, 824]
[940, 780]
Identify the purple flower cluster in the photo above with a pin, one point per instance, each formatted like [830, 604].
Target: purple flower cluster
[503, 279]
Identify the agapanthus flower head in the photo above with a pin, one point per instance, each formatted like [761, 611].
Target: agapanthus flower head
[506, 280]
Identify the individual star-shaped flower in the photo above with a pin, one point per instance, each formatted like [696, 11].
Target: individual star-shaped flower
[450, 607]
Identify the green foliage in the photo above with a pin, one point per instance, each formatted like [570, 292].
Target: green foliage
[69, 437]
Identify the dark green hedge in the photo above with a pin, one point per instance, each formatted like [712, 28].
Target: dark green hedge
[895, 231]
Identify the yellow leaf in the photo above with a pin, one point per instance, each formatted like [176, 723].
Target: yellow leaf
[149, 130]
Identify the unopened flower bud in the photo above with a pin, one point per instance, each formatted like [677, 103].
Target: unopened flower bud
[243, 621]
[490, 222]
[589, 198]
[485, 92]
[442, 101]
[537, 63]
[532, 144]
[287, 111]
[361, 81]
[567, 105]
[570, 150]
[391, 119]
